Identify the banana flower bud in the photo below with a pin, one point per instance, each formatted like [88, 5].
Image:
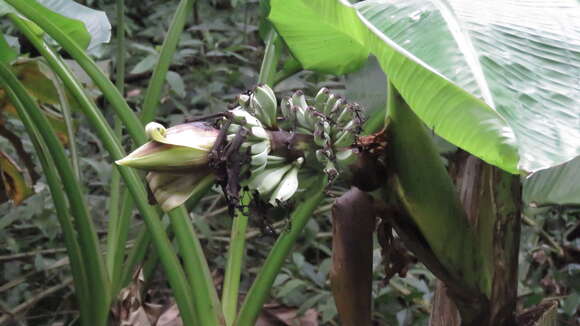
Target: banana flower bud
[176, 158]
[179, 149]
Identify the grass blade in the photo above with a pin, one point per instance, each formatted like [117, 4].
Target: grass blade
[207, 304]
[119, 203]
[153, 93]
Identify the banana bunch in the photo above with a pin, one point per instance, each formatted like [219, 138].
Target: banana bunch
[333, 124]
[272, 176]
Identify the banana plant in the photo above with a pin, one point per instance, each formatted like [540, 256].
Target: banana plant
[494, 83]
[273, 153]
[277, 152]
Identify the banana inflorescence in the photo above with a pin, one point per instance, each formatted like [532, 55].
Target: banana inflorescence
[318, 133]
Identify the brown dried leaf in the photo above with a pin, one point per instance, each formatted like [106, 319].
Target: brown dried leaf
[353, 224]
[130, 309]
[396, 258]
[16, 186]
[279, 315]
[170, 317]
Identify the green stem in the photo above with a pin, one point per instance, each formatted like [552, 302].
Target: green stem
[120, 204]
[119, 224]
[234, 263]
[270, 60]
[136, 255]
[427, 192]
[169, 260]
[149, 265]
[153, 93]
[207, 304]
[68, 120]
[291, 67]
[238, 234]
[95, 267]
[60, 204]
[152, 96]
[138, 251]
[262, 285]
[121, 47]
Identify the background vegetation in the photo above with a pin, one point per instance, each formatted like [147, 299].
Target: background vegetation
[218, 57]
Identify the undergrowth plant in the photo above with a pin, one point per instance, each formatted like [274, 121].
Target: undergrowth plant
[280, 155]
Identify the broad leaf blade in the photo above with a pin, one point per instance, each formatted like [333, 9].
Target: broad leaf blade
[328, 49]
[95, 22]
[441, 104]
[445, 57]
[86, 26]
[558, 186]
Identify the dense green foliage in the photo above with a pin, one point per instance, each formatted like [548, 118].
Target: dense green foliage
[218, 57]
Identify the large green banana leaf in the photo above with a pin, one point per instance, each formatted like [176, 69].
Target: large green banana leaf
[500, 79]
[559, 186]
[86, 26]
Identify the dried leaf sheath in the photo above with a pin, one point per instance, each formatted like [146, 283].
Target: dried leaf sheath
[351, 275]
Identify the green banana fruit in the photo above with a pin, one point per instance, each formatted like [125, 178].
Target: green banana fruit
[258, 133]
[346, 157]
[301, 118]
[263, 102]
[347, 114]
[330, 170]
[260, 147]
[321, 156]
[286, 107]
[321, 98]
[337, 108]
[244, 100]
[266, 181]
[244, 118]
[298, 99]
[344, 138]
[286, 188]
[259, 159]
[329, 104]
[319, 136]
